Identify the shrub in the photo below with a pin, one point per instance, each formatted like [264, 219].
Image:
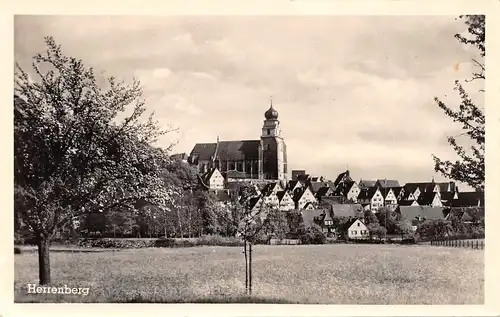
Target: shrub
[313, 235]
[377, 231]
[18, 239]
[261, 238]
[215, 240]
[332, 241]
[164, 242]
[116, 243]
[124, 243]
[17, 250]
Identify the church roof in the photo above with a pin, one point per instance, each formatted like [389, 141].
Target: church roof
[228, 150]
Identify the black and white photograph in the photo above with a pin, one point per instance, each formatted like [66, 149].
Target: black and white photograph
[252, 159]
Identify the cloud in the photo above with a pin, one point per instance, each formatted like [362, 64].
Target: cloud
[361, 96]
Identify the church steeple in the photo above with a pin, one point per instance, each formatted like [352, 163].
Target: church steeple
[271, 113]
[271, 124]
[274, 160]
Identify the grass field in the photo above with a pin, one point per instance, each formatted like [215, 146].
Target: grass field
[325, 274]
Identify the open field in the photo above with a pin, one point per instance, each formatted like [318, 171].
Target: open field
[326, 274]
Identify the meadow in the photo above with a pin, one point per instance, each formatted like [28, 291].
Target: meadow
[319, 274]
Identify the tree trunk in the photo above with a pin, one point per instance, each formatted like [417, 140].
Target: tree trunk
[180, 224]
[250, 269]
[43, 260]
[190, 233]
[246, 266]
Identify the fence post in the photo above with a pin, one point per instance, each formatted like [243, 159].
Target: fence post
[477, 244]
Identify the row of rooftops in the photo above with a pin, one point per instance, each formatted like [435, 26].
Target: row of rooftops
[412, 214]
[338, 208]
[322, 188]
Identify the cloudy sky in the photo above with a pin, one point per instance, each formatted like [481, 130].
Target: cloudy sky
[350, 91]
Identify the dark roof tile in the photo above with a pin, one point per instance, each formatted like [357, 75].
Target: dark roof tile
[397, 190]
[311, 216]
[347, 210]
[342, 177]
[426, 198]
[367, 183]
[406, 202]
[323, 191]
[315, 186]
[469, 199]
[280, 194]
[227, 150]
[367, 193]
[425, 212]
[387, 183]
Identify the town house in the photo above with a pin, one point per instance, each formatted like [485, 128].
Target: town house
[371, 199]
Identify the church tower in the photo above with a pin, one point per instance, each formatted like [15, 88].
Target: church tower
[274, 160]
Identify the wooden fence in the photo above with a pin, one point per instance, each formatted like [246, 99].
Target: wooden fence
[471, 244]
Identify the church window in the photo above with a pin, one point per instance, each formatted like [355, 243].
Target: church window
[268, 131]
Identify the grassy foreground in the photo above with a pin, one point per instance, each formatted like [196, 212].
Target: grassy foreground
[325, 274]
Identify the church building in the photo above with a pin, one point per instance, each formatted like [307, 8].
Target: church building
[263, 159]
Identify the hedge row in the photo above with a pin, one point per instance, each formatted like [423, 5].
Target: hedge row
[159, 243]
[373, 241]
